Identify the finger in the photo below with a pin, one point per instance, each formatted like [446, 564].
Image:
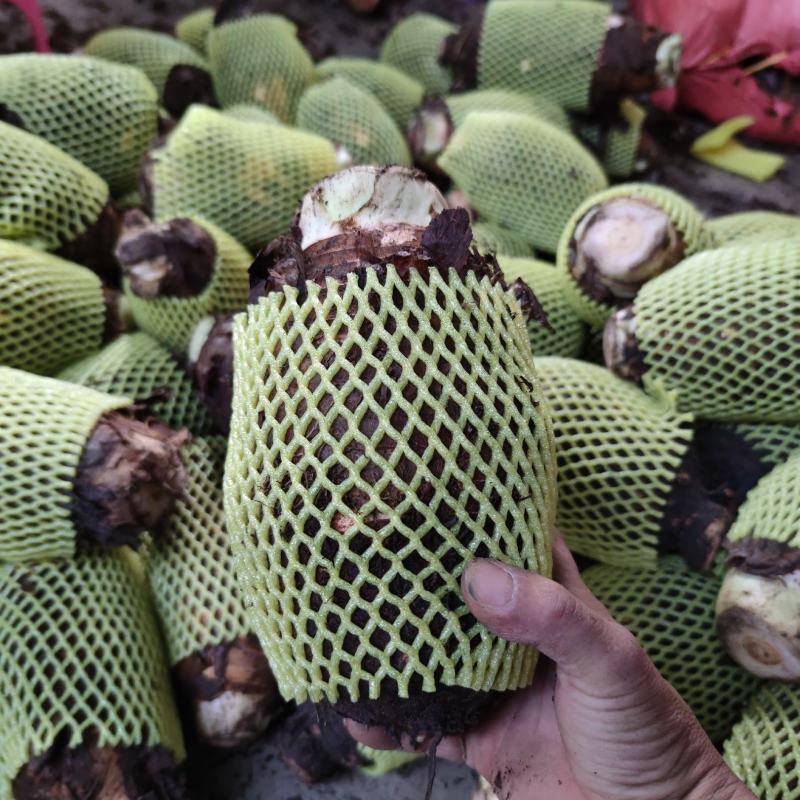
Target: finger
[566, 572]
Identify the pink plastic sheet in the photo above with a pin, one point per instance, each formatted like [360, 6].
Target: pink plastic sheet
[34, 16]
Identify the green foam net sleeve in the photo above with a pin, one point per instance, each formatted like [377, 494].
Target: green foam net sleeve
[80, 654]
[670, 610]
[153, 53]
[686, 218]
[353, 119]
[247, 112]
[102, 114]
[754, 226]
[52, 311]
[259, 60]
[190, 564]
[172, 320]
[398, 93]
[549, 47]
[545, 109]
[618, 452]
[522, 173]
[773, 443]
[618, 142]
[48, 198]
[381, 762]
[137, 366]
[764, 747]
[413, 46]
[350, 569]
[247, 179]
[46, 424]
[719, 330]
[569, 332]
[491, 238]
[193, 28]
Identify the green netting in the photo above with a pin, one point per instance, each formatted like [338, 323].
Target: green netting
[80, 653]
[105, 115]
[491, 238]
[190, 564]
[773, 443]
[686, 218]
[549, 48]
[47, 198]
[619, 142]
[455, 461]
[137, 366]
[413, 46]
[247, 179]
[764, 748]
[172, 320]
[721, 330]
[193, 28]
[353, 119]
[399, 94]
[247, 112]
[754, 226]
[618, 452]
[543, 108]
[153, 53]
[381, 762]
[522, 173]
[670, 609]
[772, 508]
[259, 60]
[46, 424]
[52, 311]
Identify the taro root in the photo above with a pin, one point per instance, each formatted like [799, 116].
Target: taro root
[621, 238]
[247, 112]
[210, 363]
[80, 467]
[88, 710]
[719, 331]
[221, 674]
[574, 52]
[490, 238]
[193, 28]
[52, 202]
[758, 608]
[102, 114]
[521, 172]
[748, 227]
[397, 433]
[177, 272]
[53, 312]
[686, 651]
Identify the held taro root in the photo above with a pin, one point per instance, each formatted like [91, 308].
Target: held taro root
[104, 115]
[53, 312]
[221, 673]
[720, 331]
[210, 365]
[522, 173]
[139, 367]
[87, 706]
[670, 609]
[177, 272]
[758, 609]
[193, 28]
[621, 238]
[397, 433]
[754, 226]
[78, 467]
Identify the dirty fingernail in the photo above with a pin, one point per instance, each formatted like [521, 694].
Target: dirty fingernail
[489, 584]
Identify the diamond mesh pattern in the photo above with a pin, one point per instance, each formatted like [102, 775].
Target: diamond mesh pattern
[720, 330]
[193, 28]
[46, 424]
[764, 748]
[618, 142]
[413, 46]
[353, 118]
[52, 310]
[247, 112]
[773, 443]
[259, 60]
[380, 541]
[548, 284]
[136, 366]
[153, 53]
[754, 226]
[491, 238]
[670, 609]
[102, 114]
[548, 48]
[172, 320]
[47, 198]
[80, 651]
[399, 94]
[504, 100]
[687, 220]
[618, 451]
[247, 179]
[190, 564]
[521, 172]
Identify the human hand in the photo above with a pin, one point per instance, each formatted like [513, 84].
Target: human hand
[598, 723]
